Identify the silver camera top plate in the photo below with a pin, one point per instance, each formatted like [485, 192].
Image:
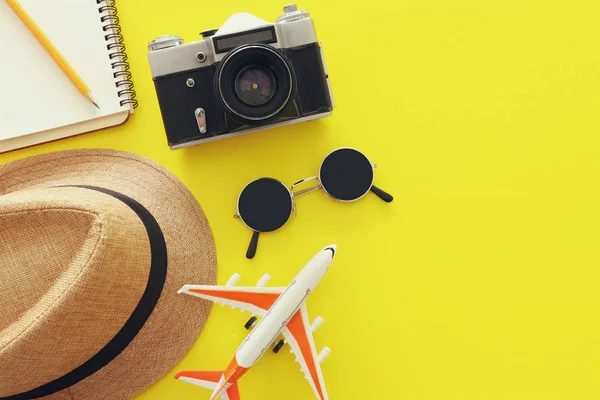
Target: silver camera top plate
[168, 54]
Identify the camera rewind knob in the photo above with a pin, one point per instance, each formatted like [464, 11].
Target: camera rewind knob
[164, 42]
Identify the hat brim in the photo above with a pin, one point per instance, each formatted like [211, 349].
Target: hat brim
[176, 321]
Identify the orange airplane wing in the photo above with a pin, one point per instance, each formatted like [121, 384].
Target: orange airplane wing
[298, 334]
[257, 300]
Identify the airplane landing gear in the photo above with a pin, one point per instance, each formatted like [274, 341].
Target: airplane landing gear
[278, 346]
[250, 322]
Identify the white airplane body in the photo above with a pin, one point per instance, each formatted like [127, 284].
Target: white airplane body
[283, 312]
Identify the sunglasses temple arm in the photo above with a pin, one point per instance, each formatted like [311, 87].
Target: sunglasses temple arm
[385, 196]
[307, 190]
[253, 245]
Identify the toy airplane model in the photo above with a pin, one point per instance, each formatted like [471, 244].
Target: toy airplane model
[283, 311]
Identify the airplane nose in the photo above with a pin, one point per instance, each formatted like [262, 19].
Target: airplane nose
[332, 248]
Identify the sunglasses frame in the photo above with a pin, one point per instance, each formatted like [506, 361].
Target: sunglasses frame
[293, 195]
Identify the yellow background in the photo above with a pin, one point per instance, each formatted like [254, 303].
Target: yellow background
[480, 281]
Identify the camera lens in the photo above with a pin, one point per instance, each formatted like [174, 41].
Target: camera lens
[255, 85]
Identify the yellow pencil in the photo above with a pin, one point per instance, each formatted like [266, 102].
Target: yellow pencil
[53, 51]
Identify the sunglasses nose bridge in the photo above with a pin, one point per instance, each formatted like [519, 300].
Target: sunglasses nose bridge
[310, 189]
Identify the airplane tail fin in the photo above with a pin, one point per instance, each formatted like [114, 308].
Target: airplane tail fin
[232, 374]
[220, 387]
[213, 380]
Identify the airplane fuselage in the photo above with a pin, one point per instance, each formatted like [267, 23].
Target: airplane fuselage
[287, 305]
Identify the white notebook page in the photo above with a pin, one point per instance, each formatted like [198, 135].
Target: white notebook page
[35, 95]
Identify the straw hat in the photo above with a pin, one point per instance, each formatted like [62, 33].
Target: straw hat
[94, 245]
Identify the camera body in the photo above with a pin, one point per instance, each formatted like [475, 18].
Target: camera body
[247, 76]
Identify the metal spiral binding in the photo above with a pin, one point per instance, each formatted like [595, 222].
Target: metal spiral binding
[117, 52]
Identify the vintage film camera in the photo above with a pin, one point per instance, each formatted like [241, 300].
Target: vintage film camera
[247, 76]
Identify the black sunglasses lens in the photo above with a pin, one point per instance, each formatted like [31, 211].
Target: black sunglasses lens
[346, 174]
[265, 205]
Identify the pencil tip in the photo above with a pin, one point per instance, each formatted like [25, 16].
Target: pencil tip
[90, 98]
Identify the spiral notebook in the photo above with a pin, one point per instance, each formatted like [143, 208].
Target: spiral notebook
[38, 103]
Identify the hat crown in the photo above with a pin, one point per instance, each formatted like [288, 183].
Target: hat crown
[67, 252]
[37, 248]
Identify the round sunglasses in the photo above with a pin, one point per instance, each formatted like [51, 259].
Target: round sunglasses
[266, 204]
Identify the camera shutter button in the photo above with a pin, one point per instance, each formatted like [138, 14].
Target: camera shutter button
[291, 13]
[290, 8]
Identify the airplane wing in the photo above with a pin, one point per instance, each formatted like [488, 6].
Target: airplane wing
[255, 299]
[299, 335]
[210, 380]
